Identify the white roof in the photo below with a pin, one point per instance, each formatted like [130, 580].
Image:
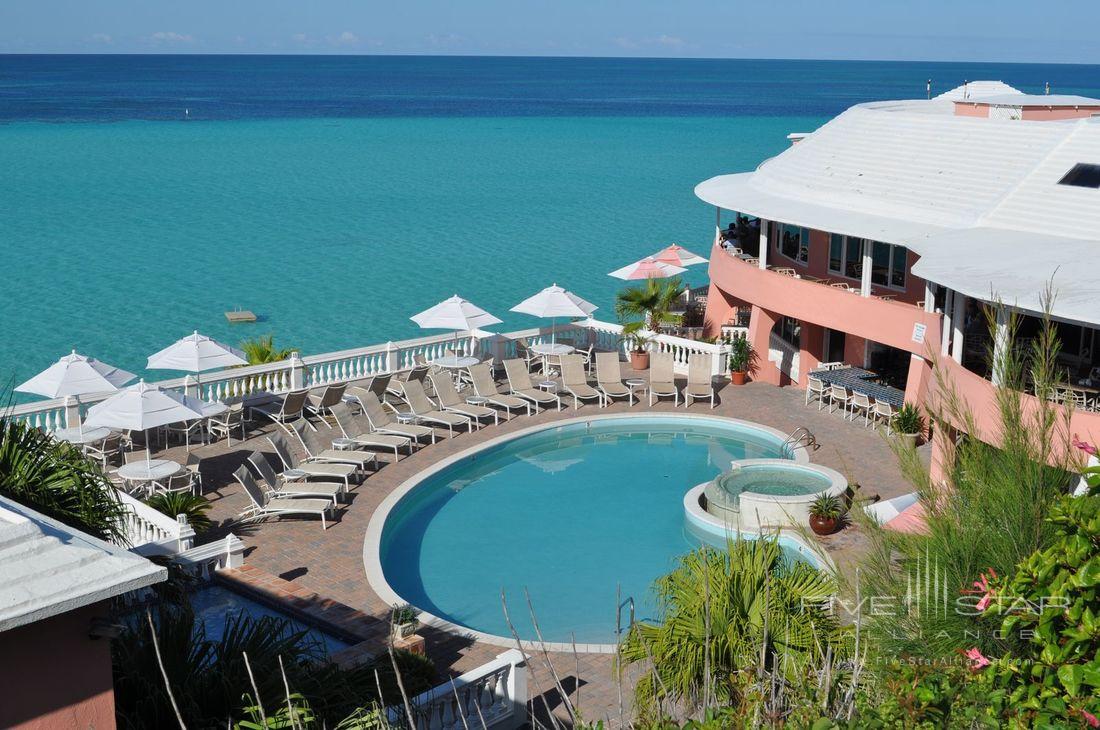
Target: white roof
[49, 568]
[978, 88]
[1033, 100]
[895, 172]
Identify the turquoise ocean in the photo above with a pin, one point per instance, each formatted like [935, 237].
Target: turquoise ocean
[142, 197]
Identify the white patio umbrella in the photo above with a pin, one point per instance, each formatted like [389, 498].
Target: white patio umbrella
[554, 302]
[678, 256]
[76, 374]
[196, 353]
[141, 407]
[455, 314]
[647, 268]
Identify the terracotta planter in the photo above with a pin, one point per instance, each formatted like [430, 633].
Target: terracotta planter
[823, 525]
[639, 360]
[737, 377]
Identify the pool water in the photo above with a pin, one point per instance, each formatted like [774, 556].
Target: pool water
[569, 513]
[214, 604]
[777, 480]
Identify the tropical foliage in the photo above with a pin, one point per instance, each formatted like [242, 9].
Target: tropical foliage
[262, 349]
[193, 506]
[648, 305]
[742, 356]
[209, 676]
[55, 479]
[725, 616]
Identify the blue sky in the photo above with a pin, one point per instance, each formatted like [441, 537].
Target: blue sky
[947, 30]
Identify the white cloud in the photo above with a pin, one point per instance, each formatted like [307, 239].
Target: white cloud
[170, 37]
[449, 39]
[100, 38]
[669, 40]
[347, 38]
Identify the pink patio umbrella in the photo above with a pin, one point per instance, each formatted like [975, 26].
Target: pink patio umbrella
[677, 255]
[647, 268]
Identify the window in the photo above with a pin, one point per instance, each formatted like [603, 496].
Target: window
[1082, 175]
[897, 267]
[845, 255]
[794, 243]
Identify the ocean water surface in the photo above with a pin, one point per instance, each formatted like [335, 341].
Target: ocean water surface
[143, 196]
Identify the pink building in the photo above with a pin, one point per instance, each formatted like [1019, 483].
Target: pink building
[56, 655]
[880, 239]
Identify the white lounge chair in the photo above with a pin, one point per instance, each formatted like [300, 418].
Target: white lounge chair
[482, 377]
[609, 377]
[422, 407]
[575, 382]
[289, 409]
[662, 378]
[419, 373]
[519, 384]
[278, 487]
[264, 505]
[700, 382]
[293, 468]
[450, 400]
[320, 403]
[317, 452]
[382, 422]
[357, 428]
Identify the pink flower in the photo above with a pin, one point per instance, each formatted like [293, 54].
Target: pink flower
[982, 586]
[977, 661]
[1090, 718]
[1084, 446]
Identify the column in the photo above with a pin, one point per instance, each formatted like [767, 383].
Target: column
[760, 332]
[811, 348]
[929, 297]
[865, 281]
[945, 335]
[1000, 345]
[719, 308]
[918, 379]
[958, 323]
[717, 225]
[764, 243]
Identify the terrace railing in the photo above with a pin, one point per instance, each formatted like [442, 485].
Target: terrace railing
[150, 532]
[493, 695]
[364, 362]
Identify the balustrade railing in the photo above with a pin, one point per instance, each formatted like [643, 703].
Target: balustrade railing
[150, 532]
[493, 695]
[364, 362]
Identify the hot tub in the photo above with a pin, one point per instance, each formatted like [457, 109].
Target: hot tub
[764, 493]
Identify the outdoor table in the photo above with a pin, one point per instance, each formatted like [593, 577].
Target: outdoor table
[859, 380]
[548, 385]
[152, 470]
[407, 418]
[456, 363]
[636, 385]
[80, 436]
[476, 400]
[550, 349]
[343, 444]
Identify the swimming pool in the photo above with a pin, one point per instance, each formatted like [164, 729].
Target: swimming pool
[571, 512]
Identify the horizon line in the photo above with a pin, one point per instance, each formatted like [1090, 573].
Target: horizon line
[540, 57]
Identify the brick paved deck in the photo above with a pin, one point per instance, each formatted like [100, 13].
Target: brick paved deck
[329, 563]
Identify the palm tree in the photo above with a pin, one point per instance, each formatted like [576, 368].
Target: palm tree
[726, 614]
[648, 305]
[55, 479]
[260, 350]
[183, 503]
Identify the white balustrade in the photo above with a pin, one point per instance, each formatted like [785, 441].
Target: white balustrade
[357, 364]
[151, 532]
[493, 695]
[785, 356]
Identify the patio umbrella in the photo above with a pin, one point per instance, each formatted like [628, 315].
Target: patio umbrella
[142, 407]
[554, 302]
[647, 268]
[196, 353]
[678, 256]
[455, 314]
[76, 374]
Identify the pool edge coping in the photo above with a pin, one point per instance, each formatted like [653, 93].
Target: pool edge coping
[372, 540]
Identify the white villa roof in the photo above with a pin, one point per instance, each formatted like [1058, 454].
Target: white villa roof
[912, 173]
[1033, 100]
[49, 568]
[977, 88]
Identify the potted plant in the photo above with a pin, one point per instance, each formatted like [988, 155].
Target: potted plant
[404, 622]
[825, 514]
[643, 309]
[740, 359]
[908, 424]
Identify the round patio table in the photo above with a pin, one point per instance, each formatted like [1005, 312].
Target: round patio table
[82, 436]
[548, 350]
[149, 471]
[456, 363]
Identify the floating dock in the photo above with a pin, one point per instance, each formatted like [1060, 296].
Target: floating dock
[241, 315]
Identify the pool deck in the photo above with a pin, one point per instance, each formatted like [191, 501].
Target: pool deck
[320, 568]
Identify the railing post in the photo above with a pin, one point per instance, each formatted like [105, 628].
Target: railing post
[186, 538]
[297, 371]
[191, 388]
[516, 687]
[718, 359]
[393, 363]
[72, 412]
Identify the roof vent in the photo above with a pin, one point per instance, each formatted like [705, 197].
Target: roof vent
[1082, 175]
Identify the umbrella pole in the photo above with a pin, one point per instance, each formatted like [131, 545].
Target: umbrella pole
[553, 330]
